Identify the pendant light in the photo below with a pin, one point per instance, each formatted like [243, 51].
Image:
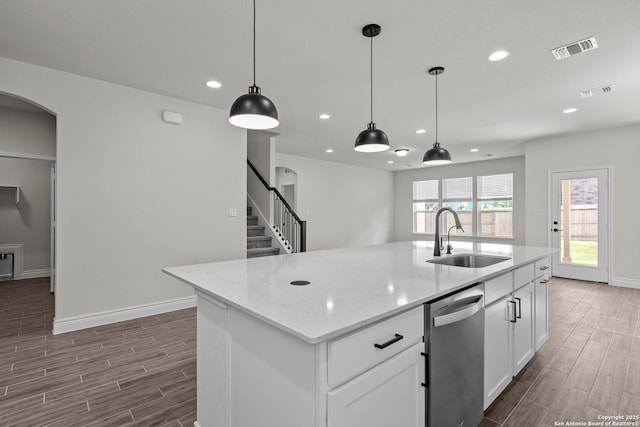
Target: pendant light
[437, 155]
[371, 140]
[253, 110]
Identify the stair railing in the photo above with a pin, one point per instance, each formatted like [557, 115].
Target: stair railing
[286, 222]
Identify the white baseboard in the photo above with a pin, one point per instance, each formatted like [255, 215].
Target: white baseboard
[60, 326]
[35, 274]
[196, 424]
[626, 283]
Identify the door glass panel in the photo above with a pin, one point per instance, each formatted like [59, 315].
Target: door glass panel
[579, 221]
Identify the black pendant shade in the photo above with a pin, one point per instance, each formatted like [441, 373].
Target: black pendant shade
[371, 140]
[436, 155]
[253, 110]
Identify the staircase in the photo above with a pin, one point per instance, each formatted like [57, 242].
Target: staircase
[257, 243]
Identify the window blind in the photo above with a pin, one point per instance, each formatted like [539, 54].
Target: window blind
[425, 190]
[457, 188]
[492, 187]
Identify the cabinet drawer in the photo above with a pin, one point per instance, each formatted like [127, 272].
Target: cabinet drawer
[543, 268]
[497, 288]
[357, 352]
[523, 275]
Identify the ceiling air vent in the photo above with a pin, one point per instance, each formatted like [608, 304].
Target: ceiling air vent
[608, 89]
[574, 48]
[586, 93]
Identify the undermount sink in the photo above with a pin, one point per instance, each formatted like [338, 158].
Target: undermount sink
[469, 260]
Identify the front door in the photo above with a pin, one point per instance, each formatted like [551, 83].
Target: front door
[580, 224]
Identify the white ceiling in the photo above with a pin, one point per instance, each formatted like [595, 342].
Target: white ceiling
[312, 59]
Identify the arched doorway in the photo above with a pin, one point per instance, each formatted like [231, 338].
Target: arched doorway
[27, 194]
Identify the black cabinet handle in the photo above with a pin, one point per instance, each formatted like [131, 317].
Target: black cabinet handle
[388, 343]
[544, 267]
[514, 312]
[519, 315]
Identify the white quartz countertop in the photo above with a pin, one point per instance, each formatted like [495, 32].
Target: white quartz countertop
[348, 288]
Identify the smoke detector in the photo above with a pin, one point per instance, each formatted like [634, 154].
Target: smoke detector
[574, 48]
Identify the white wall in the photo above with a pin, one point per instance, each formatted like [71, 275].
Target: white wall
[27, 132]
[619, 148]
[261, 153]
[343, 205]
[29, 222]
[134, 194]
[403, 190]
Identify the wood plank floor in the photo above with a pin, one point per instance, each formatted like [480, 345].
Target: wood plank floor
[140, 372]
[143, 372]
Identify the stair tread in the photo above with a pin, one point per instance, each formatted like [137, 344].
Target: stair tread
[260, 252]
[259, 237]
[255, 226]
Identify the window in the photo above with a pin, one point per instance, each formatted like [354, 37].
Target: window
[483, 203]
[457, 193]
[425, 206]
[495, 202]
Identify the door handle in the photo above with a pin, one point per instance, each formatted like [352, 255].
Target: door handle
[514, 312]
[397, 338]
[519, 315]
[464, 312]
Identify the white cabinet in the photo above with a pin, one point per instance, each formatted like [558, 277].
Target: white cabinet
[252, 374]
[523, 328]
[510, 328]
[542, 316]
[355, 353]
[497, 349]
[390, 394]
[542, 319]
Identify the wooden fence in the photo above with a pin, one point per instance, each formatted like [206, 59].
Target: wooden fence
[499, 222]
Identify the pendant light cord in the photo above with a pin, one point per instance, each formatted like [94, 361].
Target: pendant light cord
[254, 42]
[437, 108]
[371, 76]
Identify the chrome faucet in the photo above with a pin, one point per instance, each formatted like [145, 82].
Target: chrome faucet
[437, 246]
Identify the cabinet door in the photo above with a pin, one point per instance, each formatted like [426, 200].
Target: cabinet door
[390, 394]
[523, 329]
[497, 349]
[542, 328]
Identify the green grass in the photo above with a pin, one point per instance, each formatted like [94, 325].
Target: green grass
[582, 252]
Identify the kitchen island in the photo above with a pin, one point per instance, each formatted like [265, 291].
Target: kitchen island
[281, 340]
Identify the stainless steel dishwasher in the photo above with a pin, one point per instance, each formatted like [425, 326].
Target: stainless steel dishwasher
[454, 343]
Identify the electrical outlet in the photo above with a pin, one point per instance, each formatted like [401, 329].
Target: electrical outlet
[233, 212]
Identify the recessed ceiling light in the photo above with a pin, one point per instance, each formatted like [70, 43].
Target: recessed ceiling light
[214, 84]
[389, 161]
[569, 110]
[419, 131]
[324, 116]
[401, 152]
[474, 150]
[328, 150]
[498, 55]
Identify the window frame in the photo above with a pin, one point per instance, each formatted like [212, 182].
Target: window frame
[476, 211]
